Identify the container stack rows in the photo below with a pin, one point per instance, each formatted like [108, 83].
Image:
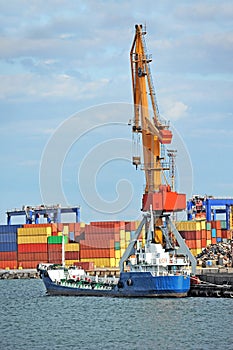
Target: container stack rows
[200, 234]
[98, 244]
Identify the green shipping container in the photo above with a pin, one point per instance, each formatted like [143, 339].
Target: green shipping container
[117, 246]
[223, 224]
[57, 239]
[208, 226]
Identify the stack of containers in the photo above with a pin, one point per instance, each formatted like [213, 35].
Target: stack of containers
[8, 246]
[199, 234]
[32, 244]
[55, 246]
[101, 243]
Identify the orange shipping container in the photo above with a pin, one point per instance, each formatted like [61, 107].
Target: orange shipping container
[208, 235]
[97, 253]
[191, 243]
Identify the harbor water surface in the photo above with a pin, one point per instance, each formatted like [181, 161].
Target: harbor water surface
[31, 320]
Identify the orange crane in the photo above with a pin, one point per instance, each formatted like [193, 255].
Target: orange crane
[154, 133]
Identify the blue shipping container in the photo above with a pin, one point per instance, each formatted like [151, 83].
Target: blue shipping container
[9, 228]
[8, 247]
[8, 237]
[213, 232]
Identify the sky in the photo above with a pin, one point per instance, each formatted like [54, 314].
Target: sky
[66, 100]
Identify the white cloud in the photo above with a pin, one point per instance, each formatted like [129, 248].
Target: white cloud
[175, 110]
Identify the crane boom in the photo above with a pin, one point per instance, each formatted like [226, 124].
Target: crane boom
[154, 132]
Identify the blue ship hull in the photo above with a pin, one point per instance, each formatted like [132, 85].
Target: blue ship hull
[131, 284]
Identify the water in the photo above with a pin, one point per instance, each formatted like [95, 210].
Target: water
[31, 320]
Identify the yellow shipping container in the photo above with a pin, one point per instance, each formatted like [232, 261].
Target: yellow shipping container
[203, 224]
[71, 262]
[122, 251]
[194, 252]
[35, 231]
[72, 247]
[112, 262]
[122, 235]
[82, 224]
[127, 235]
[99, 262]
[208, 242]
[122, 244]
[117, 254]
[31, 239]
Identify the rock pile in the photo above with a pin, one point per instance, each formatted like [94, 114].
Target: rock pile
[220, 254]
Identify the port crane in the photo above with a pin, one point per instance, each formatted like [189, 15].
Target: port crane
[159, 199]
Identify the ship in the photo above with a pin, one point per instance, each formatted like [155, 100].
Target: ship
[145, 271]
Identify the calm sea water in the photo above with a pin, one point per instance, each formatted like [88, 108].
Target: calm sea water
[31, 320]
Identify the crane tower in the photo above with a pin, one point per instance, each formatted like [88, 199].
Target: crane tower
[154, 132]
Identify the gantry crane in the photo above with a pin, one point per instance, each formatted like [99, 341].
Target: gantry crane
[159, 199]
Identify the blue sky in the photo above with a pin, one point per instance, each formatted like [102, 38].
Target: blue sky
[65, 99]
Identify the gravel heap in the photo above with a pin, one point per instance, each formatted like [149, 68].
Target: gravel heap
[219, 253]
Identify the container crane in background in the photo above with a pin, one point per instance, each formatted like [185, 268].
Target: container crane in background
[159, 199]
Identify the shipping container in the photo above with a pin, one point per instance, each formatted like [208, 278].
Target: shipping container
[57, 239]
[33, 247]
[8, 237]
[8, 246]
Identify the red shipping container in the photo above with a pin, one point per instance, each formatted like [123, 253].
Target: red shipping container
[53, 247]
[203, 243]
[203, 234]
[29, 264]
[71, 227]
[213, 240]
[37, 225]
[97, 244]
[60, 227]
[9, 264]
[219, 233]
[72, 255]
[86, 265]
[40, 257]
[33, 247]
[130, 226]
[8, 256]
[198, 235]
[97, 253]
[55, 256]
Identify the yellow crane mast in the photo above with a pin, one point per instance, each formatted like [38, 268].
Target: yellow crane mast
[154, 132]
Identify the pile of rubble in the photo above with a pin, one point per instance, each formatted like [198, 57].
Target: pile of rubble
[220, 254]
